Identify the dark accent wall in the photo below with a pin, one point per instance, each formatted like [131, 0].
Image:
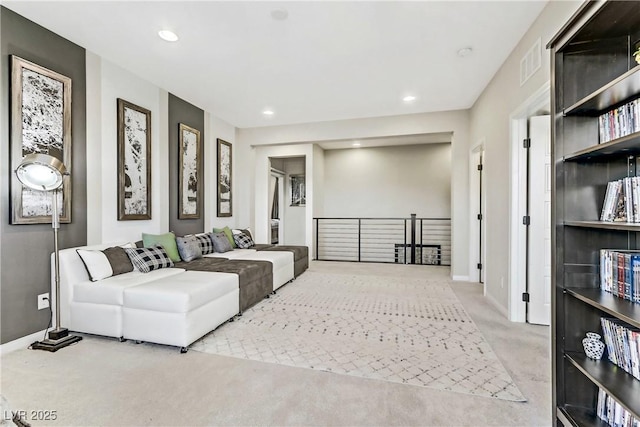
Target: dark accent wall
[180, 111]
[25, 249]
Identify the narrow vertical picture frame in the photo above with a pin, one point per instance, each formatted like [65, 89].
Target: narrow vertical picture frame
[190, 174]
[40, 123]
[134, 162]
[298, 190]
[225, 164]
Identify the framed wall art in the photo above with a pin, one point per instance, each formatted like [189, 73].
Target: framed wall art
[40, 123]
[189, 189]
[224, 178]
[134, 162]
[298, 191]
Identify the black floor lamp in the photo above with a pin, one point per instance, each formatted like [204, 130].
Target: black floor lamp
[42, 172]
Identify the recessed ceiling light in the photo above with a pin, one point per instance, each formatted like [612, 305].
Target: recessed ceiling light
[409, 98]
[268, 112]
[168, 35]
[464, 52]
[356, 144]
[279, 14]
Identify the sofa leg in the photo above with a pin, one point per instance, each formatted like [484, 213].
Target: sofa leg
[183, 350]
[138, 342]
[122, 339]
[273, 293]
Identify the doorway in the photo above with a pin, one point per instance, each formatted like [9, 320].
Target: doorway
[477, 222]
[276, 203]
[527, 283]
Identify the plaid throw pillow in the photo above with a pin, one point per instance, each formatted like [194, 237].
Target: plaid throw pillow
[243, 241]
[206, 244]
[148, 259]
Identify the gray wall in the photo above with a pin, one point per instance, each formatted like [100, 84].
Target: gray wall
[24, 265]
[181, 111]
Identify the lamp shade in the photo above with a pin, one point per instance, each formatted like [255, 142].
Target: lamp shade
[41, 172]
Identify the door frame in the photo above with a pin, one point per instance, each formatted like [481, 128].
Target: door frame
[538, 103]
[281, 195]
[474, 244]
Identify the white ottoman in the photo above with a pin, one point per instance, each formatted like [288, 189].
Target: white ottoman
[178, 310]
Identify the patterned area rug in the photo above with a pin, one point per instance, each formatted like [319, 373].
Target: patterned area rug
[405, 330]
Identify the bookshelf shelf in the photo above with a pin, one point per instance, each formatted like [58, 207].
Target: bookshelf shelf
[624, 310]
[580, 417]
[615, 92]
[627, 145]
[593, 73]
[604, 225]
[614, 380]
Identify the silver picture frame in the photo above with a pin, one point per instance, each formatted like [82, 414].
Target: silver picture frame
[134, 162]
[190, 174]
[40, 123]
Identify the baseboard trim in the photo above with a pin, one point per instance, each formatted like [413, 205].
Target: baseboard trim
[460, 278]
[497, 306]
[21, 343]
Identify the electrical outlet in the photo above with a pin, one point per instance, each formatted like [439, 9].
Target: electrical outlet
[43, 301]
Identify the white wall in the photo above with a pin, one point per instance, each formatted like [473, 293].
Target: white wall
[217, 128]
[318, 180]
[490, 122]
[456, 122]
[388, 182]
[105, 83]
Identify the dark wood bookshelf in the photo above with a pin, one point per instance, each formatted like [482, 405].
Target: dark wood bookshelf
[577, 416]
[592, 72]
[612, 379]
[627, 311]
[627, 145]
[610, 95]
[605, 225]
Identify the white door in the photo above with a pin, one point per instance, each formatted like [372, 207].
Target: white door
[539, 233]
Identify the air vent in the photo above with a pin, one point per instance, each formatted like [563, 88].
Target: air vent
[530, 63]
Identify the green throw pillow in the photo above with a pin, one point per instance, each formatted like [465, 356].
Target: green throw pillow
[167, 240]
[227, 232]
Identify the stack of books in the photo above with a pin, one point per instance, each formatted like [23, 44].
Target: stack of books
[611, 412]
[620, 273]
[619, 122]
[623, 345]
[622, 200]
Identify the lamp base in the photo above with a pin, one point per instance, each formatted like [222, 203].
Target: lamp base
[58, 338]
[58, 333]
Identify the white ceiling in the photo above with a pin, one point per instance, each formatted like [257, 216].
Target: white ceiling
[327, 61]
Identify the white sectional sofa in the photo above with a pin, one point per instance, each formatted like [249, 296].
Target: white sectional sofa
[170, 306]
[167, 306]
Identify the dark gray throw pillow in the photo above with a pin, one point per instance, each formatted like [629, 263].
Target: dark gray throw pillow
[189, 248]
[119, 260]
[221, 242]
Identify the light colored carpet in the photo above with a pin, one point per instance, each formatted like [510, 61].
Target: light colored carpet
[103, 382]
[401, 329]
